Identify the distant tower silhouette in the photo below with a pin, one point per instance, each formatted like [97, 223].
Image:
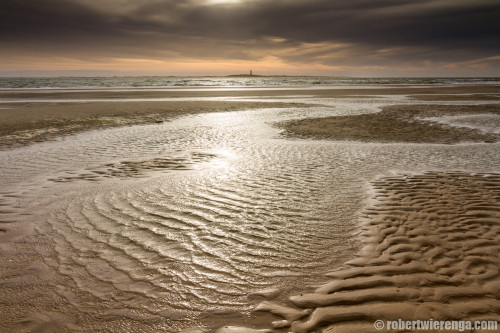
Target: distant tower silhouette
[251, 73]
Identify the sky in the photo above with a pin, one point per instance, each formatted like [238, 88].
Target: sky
[271, 37]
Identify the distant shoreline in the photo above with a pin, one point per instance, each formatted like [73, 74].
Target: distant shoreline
[244, 75]
[256, 75]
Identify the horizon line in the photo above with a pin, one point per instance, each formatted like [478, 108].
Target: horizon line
[114, 73]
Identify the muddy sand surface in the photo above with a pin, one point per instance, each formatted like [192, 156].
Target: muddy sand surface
[397, 123]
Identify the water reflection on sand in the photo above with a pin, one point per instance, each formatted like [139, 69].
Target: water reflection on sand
[160, 226]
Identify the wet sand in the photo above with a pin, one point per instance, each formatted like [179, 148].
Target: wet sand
[431, 252]
[25, 123]
[399, 123]
[431, 239]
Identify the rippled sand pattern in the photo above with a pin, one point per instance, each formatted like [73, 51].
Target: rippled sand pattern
[432, 252]
[189, 224]
[402, 123]
[124, 169]
[195, 245]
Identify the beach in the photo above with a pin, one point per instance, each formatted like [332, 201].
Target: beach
[26, 122]
[397, 124]
[430, 252]
[249, 209]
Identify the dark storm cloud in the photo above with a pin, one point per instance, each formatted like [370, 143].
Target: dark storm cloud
[49, 20]
[430, 28]
[435, 23]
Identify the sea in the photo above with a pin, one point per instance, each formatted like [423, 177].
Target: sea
[223, 81]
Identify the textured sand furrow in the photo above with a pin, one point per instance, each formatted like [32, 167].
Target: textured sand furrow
[431, 253]
[397, 123]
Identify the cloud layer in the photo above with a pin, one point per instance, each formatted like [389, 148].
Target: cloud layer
[335, 34]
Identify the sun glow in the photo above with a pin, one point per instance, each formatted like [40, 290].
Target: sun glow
[221, 2]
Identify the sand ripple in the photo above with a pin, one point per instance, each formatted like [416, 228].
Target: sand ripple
[432, 245]
[124, 169]
[186, 224]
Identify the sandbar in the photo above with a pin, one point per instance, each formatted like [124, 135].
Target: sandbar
[396, 123]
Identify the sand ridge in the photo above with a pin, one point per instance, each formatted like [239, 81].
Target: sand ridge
[396, 123]
[432, 244]
[24, 124]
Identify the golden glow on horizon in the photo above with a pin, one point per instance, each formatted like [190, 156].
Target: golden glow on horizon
[180, 66]
[270, 65]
